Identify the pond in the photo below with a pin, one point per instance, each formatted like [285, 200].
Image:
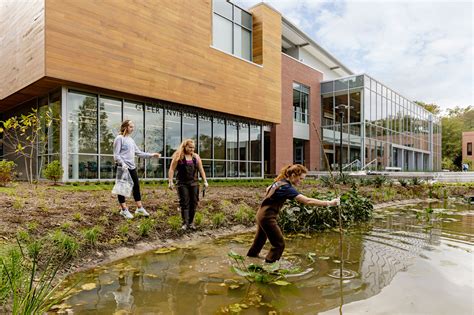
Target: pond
[410, 260]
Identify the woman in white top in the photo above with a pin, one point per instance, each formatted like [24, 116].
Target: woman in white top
[125, 150]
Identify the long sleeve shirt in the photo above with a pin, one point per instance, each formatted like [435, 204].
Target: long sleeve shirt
[125, 150]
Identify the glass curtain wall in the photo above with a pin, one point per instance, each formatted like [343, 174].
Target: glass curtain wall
[381, 128]
[228, 147]
[348, 92]
[49, 137]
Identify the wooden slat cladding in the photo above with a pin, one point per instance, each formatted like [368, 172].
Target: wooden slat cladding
[161, 49]
[22, 44]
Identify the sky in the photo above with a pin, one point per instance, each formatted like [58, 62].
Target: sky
[421, 49]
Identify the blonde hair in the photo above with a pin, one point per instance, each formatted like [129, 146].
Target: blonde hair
[124, 126]
[291, 169]
[179, 154]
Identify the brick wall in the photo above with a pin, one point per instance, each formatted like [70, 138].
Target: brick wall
[281, 137]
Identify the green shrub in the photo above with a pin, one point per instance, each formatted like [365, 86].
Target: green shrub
[403, 182]
[145, 226]
[6, 172]
[327, 181]
[175, 222]
[297, 217]
[198, 218]
[379, 181]
[218, 219]
[415, 181]
[244, 214]
[53, 171]
[92, 235]
[77, 216]
[66, 244]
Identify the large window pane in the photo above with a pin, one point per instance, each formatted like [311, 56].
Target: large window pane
[328, 110]
[54, 132]
[110, 117]
[154, 136]
[134, 112]
[82, 166]
[173, 131]
[243, 141]
[232, 169]
[219, 138]
[242, 42]
[222, 33]
[354, 102]
[107, 167]
[205, 137]
[231, 140]
[223, 7]
[255, 143]
[219, 169]
[43, 134]
[190, 126]
[82, 122]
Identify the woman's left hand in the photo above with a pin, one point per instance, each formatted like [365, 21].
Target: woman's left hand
[158, 155]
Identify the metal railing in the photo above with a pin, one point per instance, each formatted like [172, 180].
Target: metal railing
[363, 167]
[350, 164]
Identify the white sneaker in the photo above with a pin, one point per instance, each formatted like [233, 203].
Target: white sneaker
[142, 211]
[126, 214]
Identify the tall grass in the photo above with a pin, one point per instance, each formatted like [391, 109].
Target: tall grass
[27, 287]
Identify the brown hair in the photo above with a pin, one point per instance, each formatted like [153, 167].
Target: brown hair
[179, 154]
[124, 126]
[291, 169]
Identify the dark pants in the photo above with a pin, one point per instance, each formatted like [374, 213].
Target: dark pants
[188, 201]
[267, 227]
[136, 187]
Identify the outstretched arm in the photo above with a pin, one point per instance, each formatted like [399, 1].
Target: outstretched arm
[316, 202]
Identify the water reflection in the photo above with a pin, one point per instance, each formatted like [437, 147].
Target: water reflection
[197, 279]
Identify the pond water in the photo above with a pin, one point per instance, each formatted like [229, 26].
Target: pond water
[405, 261]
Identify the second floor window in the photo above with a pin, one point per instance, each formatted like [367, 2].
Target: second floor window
[300, 103]
[232, 29]
[469, 148]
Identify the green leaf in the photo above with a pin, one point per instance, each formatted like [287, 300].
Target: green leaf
[281, 282]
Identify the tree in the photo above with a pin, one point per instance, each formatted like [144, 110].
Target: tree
[22, 134]
[432, 108]
[53, 171]
[453, 124]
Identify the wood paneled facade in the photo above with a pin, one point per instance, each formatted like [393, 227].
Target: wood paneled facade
[22, 59]
[156, 49]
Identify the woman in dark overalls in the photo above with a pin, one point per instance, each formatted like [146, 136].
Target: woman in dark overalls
[186, 163]
[280, 191]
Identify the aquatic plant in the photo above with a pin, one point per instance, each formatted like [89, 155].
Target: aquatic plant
[297, 217]
[267, 273]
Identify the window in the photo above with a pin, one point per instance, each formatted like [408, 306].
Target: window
[469, 148]
[232, 29]
[300, 103]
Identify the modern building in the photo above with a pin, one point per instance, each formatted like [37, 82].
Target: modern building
[467, 141]
[251, 88]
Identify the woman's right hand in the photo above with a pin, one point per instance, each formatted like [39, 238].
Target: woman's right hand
[335, 202]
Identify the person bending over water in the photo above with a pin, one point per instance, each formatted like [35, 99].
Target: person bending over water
[281, 190]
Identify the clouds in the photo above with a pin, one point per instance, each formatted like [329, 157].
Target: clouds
[421, 49]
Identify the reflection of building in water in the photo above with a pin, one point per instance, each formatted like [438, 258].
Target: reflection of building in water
[385, 253]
